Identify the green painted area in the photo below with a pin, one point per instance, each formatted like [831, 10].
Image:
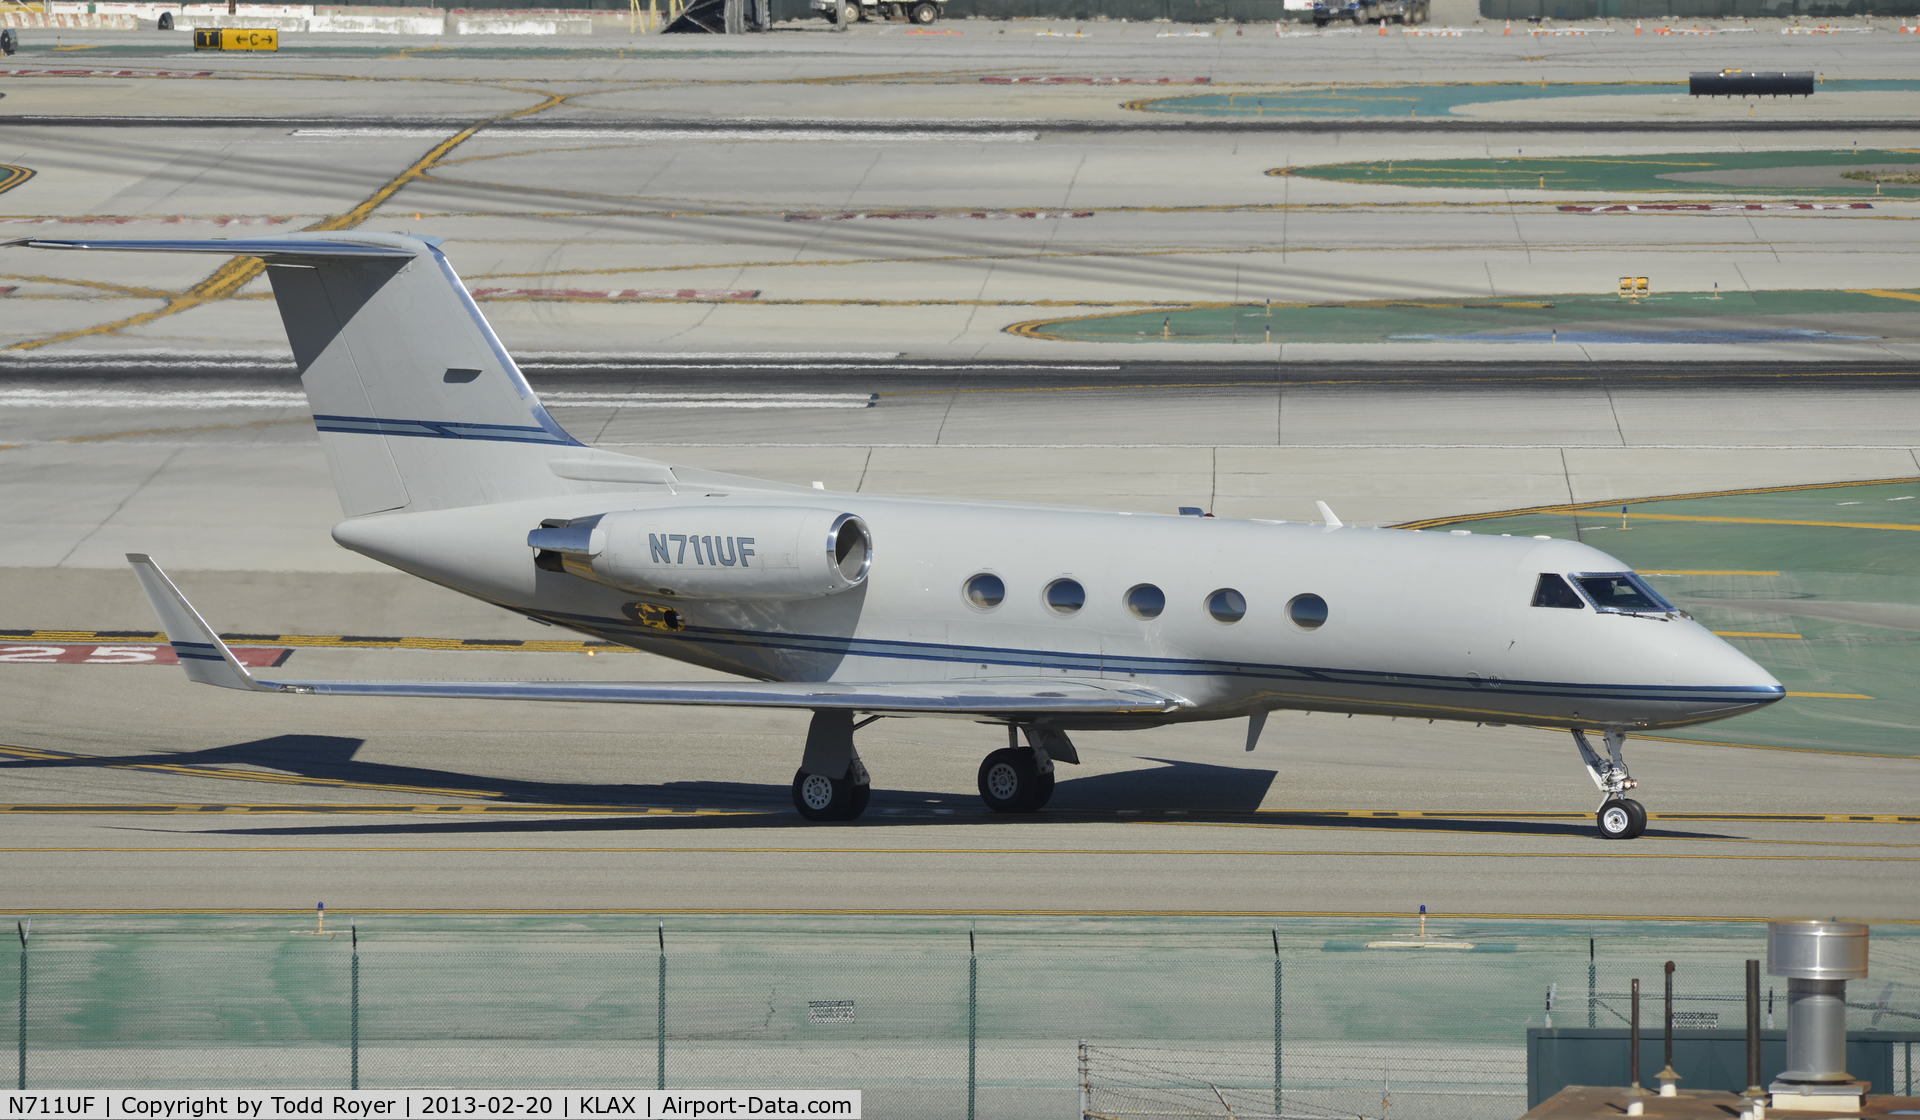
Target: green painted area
[1435, 99]
[1851, 593]
[1768, 316]
[1737, 172]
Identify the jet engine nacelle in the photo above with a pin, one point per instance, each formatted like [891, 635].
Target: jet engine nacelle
[712, 551]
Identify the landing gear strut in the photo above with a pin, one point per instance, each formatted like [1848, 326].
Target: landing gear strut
[1620, 817]
[1017, 779]
[832, 783]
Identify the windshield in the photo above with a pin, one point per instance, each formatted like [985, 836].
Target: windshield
[1621, 591]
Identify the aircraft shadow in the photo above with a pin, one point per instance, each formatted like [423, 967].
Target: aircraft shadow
[1200, 792]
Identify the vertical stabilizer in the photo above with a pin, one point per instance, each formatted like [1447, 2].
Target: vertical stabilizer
[418, 405]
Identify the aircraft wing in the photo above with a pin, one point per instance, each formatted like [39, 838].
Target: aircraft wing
[208, 661]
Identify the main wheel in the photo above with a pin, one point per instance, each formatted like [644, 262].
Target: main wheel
[1622, 820]
[1011, 782]
[924, 12]
[820, 798]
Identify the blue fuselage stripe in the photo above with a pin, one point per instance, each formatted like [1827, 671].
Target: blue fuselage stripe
[893, 649]
[437, 429]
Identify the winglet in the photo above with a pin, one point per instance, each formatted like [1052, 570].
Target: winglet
[1326, 514]
[202, 654]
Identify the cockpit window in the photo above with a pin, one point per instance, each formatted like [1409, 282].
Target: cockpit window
[1621, 591]
[1552, 591]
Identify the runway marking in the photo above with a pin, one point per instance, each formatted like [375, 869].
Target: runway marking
[876, 911]
[1772, 521]
[1583, 507]
[154, 653]
[1771, 747]
[235, 274]
[1830, 695]
[1758, 634]
[1202, 818]
[31, 754]
[1709, 572]
[760, 850]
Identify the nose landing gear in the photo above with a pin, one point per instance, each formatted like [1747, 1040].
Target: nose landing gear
[1620, 817]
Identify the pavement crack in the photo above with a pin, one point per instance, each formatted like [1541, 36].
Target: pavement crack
[122, 504]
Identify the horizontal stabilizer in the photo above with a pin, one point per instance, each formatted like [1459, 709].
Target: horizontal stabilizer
[202, 654]
[270, 248]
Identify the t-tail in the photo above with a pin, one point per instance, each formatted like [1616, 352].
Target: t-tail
[418, 405]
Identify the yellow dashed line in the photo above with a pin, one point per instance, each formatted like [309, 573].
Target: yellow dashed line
[1829, 696]
[1614, 503]
[1752, 634]
[1709, 572]
[1208, 853]
[1772, 521]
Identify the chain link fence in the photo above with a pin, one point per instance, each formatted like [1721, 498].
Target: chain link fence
[1120, 1018]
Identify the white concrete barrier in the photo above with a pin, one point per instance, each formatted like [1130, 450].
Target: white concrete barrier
[348, 19]
[78, 22]
[194, 21]
[519, 22]
[352, 22]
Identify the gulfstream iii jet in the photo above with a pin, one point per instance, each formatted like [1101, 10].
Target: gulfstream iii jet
[1040, 619]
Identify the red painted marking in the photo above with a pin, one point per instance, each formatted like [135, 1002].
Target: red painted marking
[155, 219]
[909, 215]
[1631, 208]
[110, 74]
[126, 653]
[1063, 81]
[627, 293]
[9, 289]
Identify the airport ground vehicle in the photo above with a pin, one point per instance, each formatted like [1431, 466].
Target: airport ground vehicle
[855, 11]
[1371, 11]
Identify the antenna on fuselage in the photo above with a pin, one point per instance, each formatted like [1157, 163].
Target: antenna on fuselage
[1327, 515]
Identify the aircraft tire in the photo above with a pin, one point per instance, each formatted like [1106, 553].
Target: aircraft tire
[1011, 782]
[820, 798]
[1623, 819]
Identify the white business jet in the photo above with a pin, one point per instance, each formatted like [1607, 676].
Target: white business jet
[1041, 619]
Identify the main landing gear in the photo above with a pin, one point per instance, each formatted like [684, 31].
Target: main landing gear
[1620, 817]
[1017, 779]
[832, 783]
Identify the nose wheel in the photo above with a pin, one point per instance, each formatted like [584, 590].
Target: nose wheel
[1622, 820]
[1620, 817]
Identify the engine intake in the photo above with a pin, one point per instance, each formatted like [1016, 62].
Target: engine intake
[712, 551]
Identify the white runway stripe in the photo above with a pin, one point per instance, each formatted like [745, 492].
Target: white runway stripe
[116, 398]
[275, 399]
[656, 135]
[709, 400]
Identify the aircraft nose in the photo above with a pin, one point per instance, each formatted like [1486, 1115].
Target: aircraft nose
[1735, 677]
